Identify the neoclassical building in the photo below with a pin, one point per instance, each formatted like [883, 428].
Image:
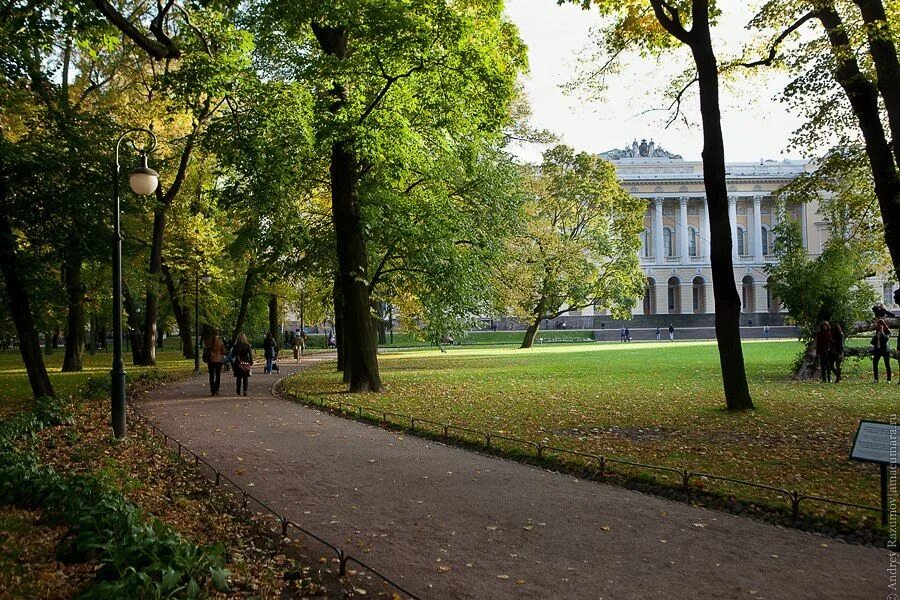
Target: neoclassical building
[675, 241]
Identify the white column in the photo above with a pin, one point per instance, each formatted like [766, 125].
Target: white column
[803, 227]
[704, 230]
[658, 250]
[683, 231]
[732, 223]
[757, 229]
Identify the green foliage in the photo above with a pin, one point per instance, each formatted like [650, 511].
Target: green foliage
[829, 287]
[139, 557]
[579, 244]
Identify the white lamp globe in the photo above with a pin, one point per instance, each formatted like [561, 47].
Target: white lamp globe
[143, 179]
[206, 278]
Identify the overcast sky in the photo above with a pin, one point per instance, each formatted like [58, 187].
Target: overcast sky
[756, 124]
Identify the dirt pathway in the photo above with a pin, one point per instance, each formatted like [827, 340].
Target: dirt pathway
[455, 524]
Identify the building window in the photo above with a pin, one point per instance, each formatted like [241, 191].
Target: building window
[669, 241]
[699, 294]
[765, 241]
[741, 241]
[650, 297]
[747, 294]
[692, 242]
[673, 295]
[645, 244]
[888, 294]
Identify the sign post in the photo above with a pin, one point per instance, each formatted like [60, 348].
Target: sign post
[877, 442]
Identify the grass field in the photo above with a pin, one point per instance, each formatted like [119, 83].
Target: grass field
[15, 392]
[649, 402]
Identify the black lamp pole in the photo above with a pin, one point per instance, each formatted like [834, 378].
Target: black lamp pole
[196, 322]
[118, 366]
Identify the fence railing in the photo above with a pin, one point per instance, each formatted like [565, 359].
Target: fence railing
[281, 523]
[540, 450]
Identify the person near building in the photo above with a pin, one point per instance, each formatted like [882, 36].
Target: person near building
[671, 332]
[297, 345]
[837, 351]
[627, 334]
[657, 333]
[214, 357]
[766, 331]
[241, 362]
[881, 342]
[823, 350]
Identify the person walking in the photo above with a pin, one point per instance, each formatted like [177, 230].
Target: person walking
[627, 334]
[657, 333]
[671, 332]
[766, 332]
[837, 351]
[882, 343]
[823, 350]
[241, 362]
[297, 345]
[214, 357]
[269, 348]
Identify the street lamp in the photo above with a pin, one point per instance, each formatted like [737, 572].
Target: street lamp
[205, 278]
[143, 180]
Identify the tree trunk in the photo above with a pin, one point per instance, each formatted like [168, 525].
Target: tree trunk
[358, 335]
[246, 294]
[379, 323]
[93, 341]
[134, 324]
[182, 315]
[887, 64]
[728, 303]
[338, 332]
[531, 333]
[20, 306]
[863, 98]
[49, 338]
[151, 310]
[75, 318]
[274, 326]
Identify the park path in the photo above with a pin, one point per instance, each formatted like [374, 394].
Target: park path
[449, 523]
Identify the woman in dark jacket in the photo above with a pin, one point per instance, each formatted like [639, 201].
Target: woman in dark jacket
[823, 350]
[241, 362]
[269, 352]
[837, 351]
[882, 343]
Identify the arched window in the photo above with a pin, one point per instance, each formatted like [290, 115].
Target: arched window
[669, 241]
[650, 297]
[747, 293]
[765, 241]
[646, 246]
[674, 297]
[699, 294]
[692, 242]
[888, 293]
[741, 241]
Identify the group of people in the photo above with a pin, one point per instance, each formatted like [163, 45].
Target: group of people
[830, 351]
[239, 358]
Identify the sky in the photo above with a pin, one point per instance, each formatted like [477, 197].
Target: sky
[756, 125]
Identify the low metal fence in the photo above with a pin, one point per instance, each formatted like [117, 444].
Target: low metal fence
[282, 523]
[539, 450]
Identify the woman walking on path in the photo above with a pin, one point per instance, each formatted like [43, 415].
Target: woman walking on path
[214, 356]
[823, 350]
[837, 351]
[241, 362]
[882, 343]
[298, 344]
[269, 352]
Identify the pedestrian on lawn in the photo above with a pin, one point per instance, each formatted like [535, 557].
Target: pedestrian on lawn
[882, 343]
[823, 350]
[297, 345]
[837, 351]
[657, 333]
[671, 332]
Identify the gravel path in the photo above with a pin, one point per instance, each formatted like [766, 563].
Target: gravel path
[449, 523]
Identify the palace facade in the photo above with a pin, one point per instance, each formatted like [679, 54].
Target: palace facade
[675, 242]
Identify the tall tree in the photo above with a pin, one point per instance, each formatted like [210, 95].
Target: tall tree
[654, 26]
[579, 244]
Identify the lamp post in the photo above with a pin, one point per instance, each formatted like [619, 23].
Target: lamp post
[143, 180]
[206, 278]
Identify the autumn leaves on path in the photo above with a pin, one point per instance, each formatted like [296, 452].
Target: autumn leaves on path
[448, 523]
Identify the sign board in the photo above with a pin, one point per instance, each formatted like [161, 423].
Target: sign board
[876, 442]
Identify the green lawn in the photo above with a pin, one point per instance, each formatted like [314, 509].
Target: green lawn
[15, 393]
[647, 402]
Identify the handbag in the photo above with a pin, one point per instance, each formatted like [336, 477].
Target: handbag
[246, 367]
